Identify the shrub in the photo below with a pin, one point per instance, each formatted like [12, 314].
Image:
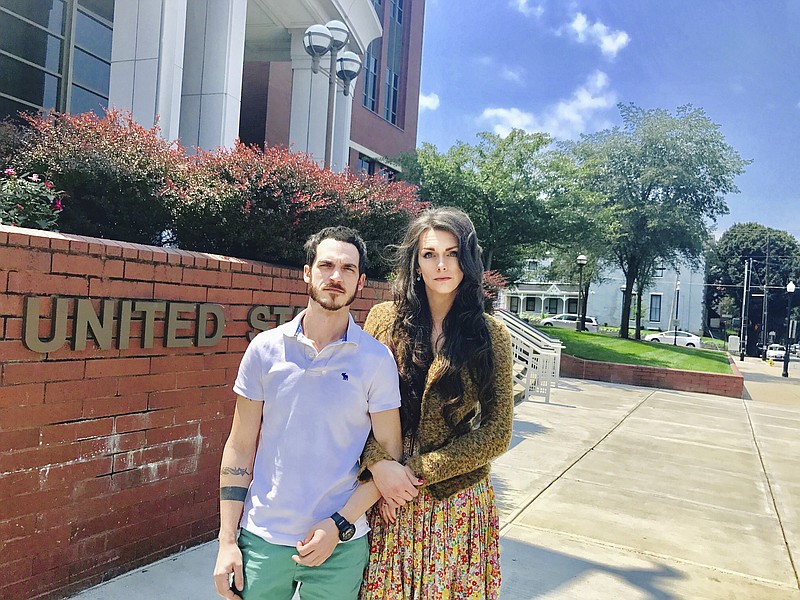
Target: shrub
[113, 171]
[28, 201]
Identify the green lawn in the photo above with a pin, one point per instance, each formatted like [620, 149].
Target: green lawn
[605, 348]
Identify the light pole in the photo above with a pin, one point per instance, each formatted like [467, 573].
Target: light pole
[582, 260]
[789, 292]
[677, 301]
[318, 40]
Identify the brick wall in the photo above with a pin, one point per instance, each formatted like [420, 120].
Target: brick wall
[669, 379]
[109, 456]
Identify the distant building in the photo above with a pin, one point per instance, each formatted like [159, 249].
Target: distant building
[674, 298]
[214, 70]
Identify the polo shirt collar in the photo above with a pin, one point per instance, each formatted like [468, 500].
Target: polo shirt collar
[295, 327]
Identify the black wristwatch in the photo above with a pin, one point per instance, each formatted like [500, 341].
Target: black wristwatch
[346, 529]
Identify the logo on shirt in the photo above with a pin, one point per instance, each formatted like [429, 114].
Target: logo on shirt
[344, 376]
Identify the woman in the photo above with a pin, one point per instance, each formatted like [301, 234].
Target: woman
[457, 411]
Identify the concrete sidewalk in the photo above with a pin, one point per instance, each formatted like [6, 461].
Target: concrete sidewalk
[621, 492]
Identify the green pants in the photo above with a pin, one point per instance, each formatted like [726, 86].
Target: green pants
[271, 574]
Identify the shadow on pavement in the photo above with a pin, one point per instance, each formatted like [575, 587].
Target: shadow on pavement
[531, 571]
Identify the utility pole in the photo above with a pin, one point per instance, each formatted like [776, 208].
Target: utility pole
[745, 295]
[764, 314]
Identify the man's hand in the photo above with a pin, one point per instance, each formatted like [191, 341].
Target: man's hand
[229, 560]
[318, 545]
[396, 483]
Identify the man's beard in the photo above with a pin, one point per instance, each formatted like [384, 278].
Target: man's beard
[329, 303]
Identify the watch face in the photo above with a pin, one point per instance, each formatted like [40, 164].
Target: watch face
[347, 533]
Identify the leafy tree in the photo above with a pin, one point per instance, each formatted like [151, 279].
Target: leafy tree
[663, 179]
[507, 185]
[776, 261]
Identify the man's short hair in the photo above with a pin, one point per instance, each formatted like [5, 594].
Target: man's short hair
[339, 234]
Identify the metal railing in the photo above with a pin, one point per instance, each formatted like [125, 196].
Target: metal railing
[537, 357]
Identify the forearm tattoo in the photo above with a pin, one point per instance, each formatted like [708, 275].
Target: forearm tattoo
[235, 471]
[230, 492]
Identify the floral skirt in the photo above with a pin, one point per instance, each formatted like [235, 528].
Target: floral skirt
[437, 549]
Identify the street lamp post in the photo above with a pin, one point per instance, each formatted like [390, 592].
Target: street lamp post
[789, 292]
[677, 301]
[319, 40]
[582, 260]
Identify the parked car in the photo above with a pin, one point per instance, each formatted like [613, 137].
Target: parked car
[795, 349]
[567, 321]
[776, 352]
[678, 338]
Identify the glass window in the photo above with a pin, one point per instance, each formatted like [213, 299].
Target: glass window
[47, 13]
[551, 306]
[530, 304]
[91, 72]
[92, 35]
[84, 101]
[29, 42]
[655, 308]
[513, 304]
[572, 305]
[366, 166]
[394, 63]
[102, 8]
[27, 83]
[370, 99]
[11, 109]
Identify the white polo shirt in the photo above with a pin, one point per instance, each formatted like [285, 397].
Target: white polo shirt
[315, 421]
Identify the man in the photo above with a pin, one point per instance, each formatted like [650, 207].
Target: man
[308, 394]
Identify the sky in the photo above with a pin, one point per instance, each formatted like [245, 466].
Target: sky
[562, 66]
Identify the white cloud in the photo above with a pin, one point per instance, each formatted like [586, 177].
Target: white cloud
[524, 6]
[512, 74]
[428, 102]
[610, 42]
[566, 119]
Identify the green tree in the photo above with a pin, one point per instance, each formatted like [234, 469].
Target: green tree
[775, 256]
[663, 179]
[508, 185]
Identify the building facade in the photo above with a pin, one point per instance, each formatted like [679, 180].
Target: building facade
[211, 71]
[675, 299]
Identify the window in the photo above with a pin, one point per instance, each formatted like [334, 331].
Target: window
[513, 304]
[551, 306]
[366, 166]
[370, 99]
[659, 271]
[655, 308]
[530, 305]
[55, 54]
[572, 305]
[394, 63]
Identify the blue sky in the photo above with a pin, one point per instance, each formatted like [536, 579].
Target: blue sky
[562, 66]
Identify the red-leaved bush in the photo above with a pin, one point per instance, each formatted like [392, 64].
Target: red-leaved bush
[123, 181]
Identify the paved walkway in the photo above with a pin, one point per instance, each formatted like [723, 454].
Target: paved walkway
[621, 492]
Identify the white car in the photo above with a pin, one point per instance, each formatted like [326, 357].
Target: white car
[567, 321]
[776, 352]
[677, 338]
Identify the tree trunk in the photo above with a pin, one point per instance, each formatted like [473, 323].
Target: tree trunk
[626, 306]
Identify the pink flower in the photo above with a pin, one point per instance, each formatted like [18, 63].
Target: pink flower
[58, 204]
[49, 185]
[20, 207]
[35, 177]
[9, 171]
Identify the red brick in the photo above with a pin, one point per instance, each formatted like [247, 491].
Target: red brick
[43, 414]
[141, 421]
[266, 298]
[43, 372]
[33, 504]
[70, 432]
[144, 271]
[23, 259]
[206, 278]
[3, 281]
[195, 379]
[18, 239]
[59, 476]
[44, 283]
[168, 274]
[11, 305]
[77, 264]
[117, 367]
[230, 296]
[21, 395]
[80, 390]
[248, 281]
[17, 571]
[109, 288]
[164, 435]
[188, 293]
[150, 383]
[32, 458]
[18, 440]
[115, 405]
[173, 398]
[176, 364]
[138, 458]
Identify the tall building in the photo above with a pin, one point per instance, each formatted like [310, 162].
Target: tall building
[213, 70]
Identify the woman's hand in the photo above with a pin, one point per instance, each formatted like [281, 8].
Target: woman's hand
[396, 483]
